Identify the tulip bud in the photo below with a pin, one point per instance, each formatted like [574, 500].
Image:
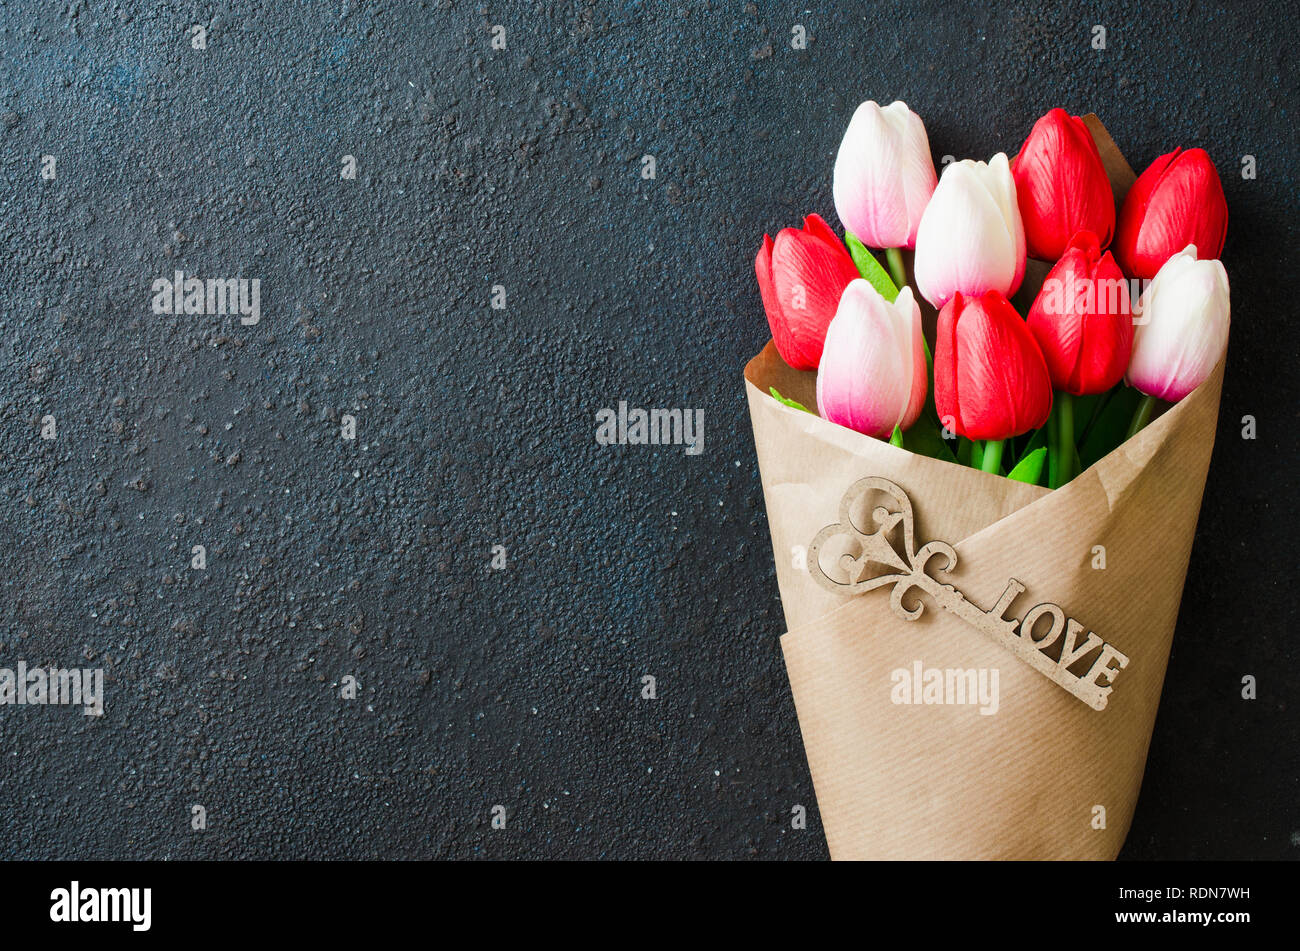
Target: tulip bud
[1082, 319]
[873, 376]
[884, 175]
[1061, 186]
[990, 379]
[801, 276]
[1177, 201]
[971, 239]
[1182, 327]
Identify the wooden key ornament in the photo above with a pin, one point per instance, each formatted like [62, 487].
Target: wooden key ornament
[866, 540]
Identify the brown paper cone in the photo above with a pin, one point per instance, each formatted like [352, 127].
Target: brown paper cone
[943, 781]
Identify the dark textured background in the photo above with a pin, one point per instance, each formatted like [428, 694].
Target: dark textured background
[520, 167]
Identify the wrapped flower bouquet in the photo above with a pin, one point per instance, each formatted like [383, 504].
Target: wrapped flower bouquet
[983, 425]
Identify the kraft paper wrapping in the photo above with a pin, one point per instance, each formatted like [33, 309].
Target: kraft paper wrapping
[942, 781]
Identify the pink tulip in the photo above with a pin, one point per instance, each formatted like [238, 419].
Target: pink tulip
[884, 175]
[872, 375]
[1182, 327]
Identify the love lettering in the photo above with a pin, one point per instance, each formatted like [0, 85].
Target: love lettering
[870, 537]
[1043, 627]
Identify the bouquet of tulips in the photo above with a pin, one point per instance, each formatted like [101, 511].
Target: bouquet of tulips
[1041, 383]
[1051, 432]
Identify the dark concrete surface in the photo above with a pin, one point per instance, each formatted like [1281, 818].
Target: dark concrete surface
[519, 167]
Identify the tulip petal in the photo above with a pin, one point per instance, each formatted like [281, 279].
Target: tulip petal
[1002, 187]
[864, 382]
[916, 343]
[865, 182]
[808, 275]
[964, 242]
[1106, 333]
[1186, 314]
[1180, 211]
[1061, 186]
[771, 303]
[884, 175]
[1177, 201]
[1082, 320]
[945, 366]
[1131, 217]
[918, 177]
[984, 376]
[989, 373]
[816, 226]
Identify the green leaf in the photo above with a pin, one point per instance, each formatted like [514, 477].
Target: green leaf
[1030, 467]
[870, 268]
[794, 403]
[977, 453]
[1053, 450]
[1110, 427]
[1036, 439]
[897, 438]
[925, 438]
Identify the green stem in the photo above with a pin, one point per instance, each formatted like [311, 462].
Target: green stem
[992, 456]
[1097, 408]
[1142, 416]
[1054, 447]
[894, 258]
[1065, 436]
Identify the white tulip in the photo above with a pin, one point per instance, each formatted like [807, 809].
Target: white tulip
[971, 238]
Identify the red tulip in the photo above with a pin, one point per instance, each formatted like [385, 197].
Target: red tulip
[801, 276]
[1177, 201]
[990, 380]
[1061, 186]
[1083, 320]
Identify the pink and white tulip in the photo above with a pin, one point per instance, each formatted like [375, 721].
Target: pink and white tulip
[1182, 327]
[872, 375]
[971, 239]
[884, 175]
